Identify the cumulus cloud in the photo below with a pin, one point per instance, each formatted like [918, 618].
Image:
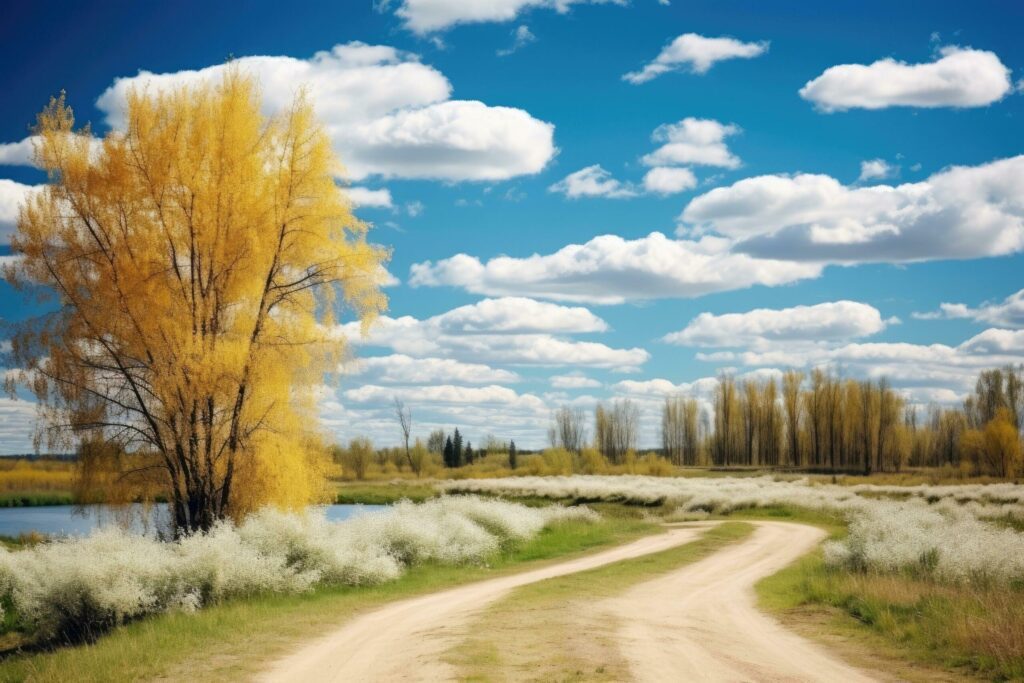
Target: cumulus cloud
[610, 269]
[573, 381]
[921, 370]
[12, 196]
[820, 322]
[592, 181]
[665, 181]
[961, 77]
[693, 141]
[876, 169]
[510, 331]
[399, 368]
[425, 16]
[387, 114]
[1007, 313]
[17, 424]
[519, 315]
[447, 393]
[961, 212]
[21, 153]
[364, 197]
[697, 53]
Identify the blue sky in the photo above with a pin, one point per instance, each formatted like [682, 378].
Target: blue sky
[826, 203]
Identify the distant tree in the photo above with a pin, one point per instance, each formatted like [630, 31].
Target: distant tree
[435, 442]
[404, 416]
[419, 455]
[357, 457]
[468, 454]
[512, 455]
[569, 429]
[457, 449]
[1002, 444]
[449, 453]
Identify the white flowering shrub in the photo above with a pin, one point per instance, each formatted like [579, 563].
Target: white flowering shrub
[944, 532]
[73, 588]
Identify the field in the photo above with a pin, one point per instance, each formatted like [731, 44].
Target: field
[924, 575]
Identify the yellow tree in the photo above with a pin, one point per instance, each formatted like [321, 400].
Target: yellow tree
[197, 258]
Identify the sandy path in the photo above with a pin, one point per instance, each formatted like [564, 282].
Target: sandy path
[700, 622]
[404, 641]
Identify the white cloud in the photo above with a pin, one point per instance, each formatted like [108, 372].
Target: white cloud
[961, 212]
[876, 169]
[820, 322]
[12, 196]
[21, 153]
[693, 141]
[921, 369]
[518, 315]
[961, 77]
[696, 52]
[610, 269]
[387, 114]
[364, 197]
[1007, 313]
[447, 394]
[521, 37]
[402, 369]
[592, 181]
[573, 381]
[510, 331]
[424, 16]
[663, 180]
[17, 424]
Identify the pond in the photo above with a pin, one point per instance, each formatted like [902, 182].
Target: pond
[69, 520]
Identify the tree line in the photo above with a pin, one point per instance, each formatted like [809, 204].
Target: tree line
[816, 421]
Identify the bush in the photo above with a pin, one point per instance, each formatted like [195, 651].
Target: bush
[73, 589]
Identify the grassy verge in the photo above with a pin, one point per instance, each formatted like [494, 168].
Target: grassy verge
[235, 639]
[541, 631]
[968, 631]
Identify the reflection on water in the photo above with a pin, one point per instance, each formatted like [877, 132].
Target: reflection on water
[69, 520]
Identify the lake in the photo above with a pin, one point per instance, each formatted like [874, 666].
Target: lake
[68, 520]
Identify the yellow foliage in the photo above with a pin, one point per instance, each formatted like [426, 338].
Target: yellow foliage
[1002, 444]
[196, 256]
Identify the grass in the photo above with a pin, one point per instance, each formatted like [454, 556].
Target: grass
[970, 630]
[543, 632]
[237, 638]
[384, 492]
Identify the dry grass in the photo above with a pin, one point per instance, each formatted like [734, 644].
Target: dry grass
[976, 630]
[21, 475]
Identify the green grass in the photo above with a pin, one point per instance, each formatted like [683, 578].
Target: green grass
[544, 632]
[232, 640]
[35, 499]
[384, 492]
[971, 630]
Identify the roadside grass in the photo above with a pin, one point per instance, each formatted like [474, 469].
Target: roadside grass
[235, 639]
[970, 631]
[540, 632]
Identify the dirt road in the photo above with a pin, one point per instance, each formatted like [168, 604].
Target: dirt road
[404, 641]
[700, 622]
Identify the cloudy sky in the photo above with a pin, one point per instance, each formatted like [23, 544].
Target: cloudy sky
[589, 200]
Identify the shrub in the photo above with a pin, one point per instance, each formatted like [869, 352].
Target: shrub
[74, 588]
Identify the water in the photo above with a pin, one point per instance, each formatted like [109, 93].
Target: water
[67, 520]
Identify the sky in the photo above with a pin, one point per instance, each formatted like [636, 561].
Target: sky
[593, 200]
